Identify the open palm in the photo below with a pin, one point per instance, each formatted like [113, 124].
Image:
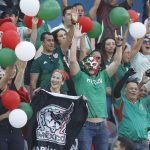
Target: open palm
[77, 31]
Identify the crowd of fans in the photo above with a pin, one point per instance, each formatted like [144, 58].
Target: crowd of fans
[112, 75]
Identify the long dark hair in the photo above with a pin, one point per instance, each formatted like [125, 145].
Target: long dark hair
[103, 52]
[55, 35]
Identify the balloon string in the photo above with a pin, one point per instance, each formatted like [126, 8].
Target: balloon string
[88, 43]
[121, 31]
[98, 41]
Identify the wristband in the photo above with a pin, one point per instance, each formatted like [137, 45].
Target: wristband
[118, 45]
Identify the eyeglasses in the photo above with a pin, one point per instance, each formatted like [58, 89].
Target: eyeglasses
[146, 42]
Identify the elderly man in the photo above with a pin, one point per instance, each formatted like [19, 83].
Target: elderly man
[131, 112]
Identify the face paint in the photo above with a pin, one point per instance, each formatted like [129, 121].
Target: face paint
[91, 65]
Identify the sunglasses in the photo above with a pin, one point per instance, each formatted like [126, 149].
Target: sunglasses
[146, 42]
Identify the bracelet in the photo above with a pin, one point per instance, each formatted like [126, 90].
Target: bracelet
[118, 45]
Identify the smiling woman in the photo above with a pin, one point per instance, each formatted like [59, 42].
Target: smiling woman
[142, 58]
[57, 80]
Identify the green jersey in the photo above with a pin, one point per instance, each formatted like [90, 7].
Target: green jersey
[45, 65]
[93, 88]
[133, 119]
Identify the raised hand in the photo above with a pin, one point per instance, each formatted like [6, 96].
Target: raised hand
[118, 39]
[77, 31]
[34, 21]
[146, 77]
[131, 72]
[74, 16]
[21, 65]
[148, 5]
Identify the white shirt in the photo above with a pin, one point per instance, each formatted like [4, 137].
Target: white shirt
[140, 64]
[58, 27]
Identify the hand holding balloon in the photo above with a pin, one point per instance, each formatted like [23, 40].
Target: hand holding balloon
[21, 65]
[32, 21]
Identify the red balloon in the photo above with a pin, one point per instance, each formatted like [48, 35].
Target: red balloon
[8, 26]
[134, 16]
[10, 39]
[5, 20]
[10, 100]
[86, 23]
[27, 20]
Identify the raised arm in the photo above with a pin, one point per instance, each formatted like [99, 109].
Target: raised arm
[112, 68]
[130, 2]
[34, 30]
[136, 44]
[6, 78]
[148, 9]
[74, 66]
[21, 65]
[135, 47]
[64, 4]
[94, 8]
[125, 35]
[127, 4]
[67, 43]
[83, 49]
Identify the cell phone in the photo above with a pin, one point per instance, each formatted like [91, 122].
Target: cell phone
[147, 73]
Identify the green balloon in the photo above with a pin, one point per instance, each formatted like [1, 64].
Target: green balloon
[96, 30]
[27, 109]
[119, 16]
[7, 57]
[49, 10]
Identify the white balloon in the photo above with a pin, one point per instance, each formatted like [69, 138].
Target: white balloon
[25, 51]
[137, 30]
[30, 7]
[17, 118]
